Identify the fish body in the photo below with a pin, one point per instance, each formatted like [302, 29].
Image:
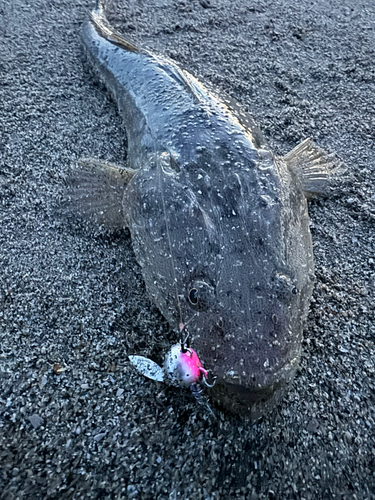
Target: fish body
[219, 224]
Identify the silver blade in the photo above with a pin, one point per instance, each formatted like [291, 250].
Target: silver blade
[148, 368]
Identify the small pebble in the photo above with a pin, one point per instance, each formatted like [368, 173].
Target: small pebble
[35, 420]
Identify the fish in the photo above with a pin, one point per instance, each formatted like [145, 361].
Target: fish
[219, 223]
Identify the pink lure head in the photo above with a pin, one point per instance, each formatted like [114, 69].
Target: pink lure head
[184, 368]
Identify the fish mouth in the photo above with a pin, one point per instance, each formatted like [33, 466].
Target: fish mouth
[252, 401]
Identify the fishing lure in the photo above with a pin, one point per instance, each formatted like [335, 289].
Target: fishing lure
[182, 368]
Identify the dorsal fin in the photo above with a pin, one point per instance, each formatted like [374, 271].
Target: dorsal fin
[192, 85]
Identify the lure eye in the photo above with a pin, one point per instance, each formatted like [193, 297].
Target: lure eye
[201, 296]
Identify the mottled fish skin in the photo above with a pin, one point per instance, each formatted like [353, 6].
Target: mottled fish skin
[216, 216]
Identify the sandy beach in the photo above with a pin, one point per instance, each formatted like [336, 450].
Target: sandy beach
[76, 420]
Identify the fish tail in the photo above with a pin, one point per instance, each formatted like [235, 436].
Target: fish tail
[105, 30]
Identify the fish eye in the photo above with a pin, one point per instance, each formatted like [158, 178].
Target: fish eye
[193, 296]
[201, 296]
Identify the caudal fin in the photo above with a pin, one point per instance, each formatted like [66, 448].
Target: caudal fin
[105, 30]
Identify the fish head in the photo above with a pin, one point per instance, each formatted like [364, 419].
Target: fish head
[249, 294]
[252, 298]
[229, 260]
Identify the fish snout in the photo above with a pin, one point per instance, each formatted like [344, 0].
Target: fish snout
[253, 361]
[252, 377]
[252, 397]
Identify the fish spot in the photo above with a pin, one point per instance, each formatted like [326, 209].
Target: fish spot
[220, 323]
[169, 164]
[283, 286]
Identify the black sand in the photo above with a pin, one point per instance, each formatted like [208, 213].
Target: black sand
[73, 300]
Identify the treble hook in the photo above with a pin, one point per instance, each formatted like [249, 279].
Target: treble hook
[205, 376]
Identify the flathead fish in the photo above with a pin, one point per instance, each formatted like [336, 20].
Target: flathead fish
[219, 224]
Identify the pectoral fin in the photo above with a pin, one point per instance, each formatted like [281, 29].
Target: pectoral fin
[317, 170]
[96, 189]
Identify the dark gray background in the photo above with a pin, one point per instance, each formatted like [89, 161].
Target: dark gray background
[77, 299]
